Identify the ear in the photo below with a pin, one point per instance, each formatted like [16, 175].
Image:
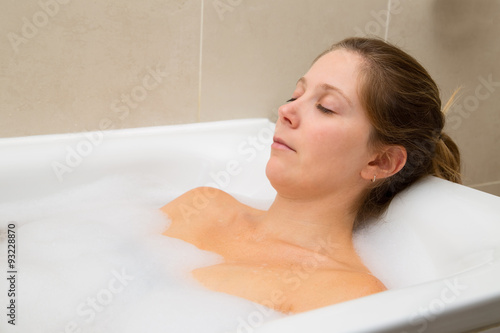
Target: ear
[387, 162]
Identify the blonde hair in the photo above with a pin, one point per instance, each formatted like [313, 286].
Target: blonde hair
[403, 105]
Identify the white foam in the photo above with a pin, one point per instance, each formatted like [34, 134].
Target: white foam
[93, 259]
[391, 253]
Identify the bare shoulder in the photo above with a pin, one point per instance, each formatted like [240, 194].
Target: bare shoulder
[191, 212]
[196, 201]
[327, 288]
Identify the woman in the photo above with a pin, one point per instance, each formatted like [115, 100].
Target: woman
[363, 123]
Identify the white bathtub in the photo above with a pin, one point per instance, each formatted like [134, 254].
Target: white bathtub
[437, 249]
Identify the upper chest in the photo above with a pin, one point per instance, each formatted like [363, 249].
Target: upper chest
[284, 289]
[273, 273]
[279, 276]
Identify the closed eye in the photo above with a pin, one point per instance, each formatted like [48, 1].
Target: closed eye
[323, 109]
[291, 100]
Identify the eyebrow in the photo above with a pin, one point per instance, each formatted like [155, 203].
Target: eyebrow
[326, 86]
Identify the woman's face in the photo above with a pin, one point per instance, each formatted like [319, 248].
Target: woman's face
[321, 136]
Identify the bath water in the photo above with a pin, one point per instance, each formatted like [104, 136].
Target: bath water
[92, 259]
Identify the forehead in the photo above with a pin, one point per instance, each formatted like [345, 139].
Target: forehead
[338, 68]
[339, 61]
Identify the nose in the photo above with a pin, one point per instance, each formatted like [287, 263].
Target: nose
[288, 114]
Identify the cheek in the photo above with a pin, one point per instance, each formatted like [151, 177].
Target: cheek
[332, 143]
[342, 149]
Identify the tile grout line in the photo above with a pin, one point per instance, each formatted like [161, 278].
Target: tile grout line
[388, 20]
[198, 113]
[485, 184]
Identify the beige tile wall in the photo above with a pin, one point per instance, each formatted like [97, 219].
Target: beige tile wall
[458, 41]
[254, 53]
[76, 65]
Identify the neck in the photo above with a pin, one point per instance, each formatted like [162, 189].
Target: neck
[314, 224]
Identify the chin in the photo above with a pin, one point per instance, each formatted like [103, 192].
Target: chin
[278, 175]
[274, 172]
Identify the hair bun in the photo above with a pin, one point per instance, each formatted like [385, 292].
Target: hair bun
[446, 161]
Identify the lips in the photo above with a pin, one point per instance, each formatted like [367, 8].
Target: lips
[279, 143]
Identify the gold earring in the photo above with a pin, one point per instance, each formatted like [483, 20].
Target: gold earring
[374, 177]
